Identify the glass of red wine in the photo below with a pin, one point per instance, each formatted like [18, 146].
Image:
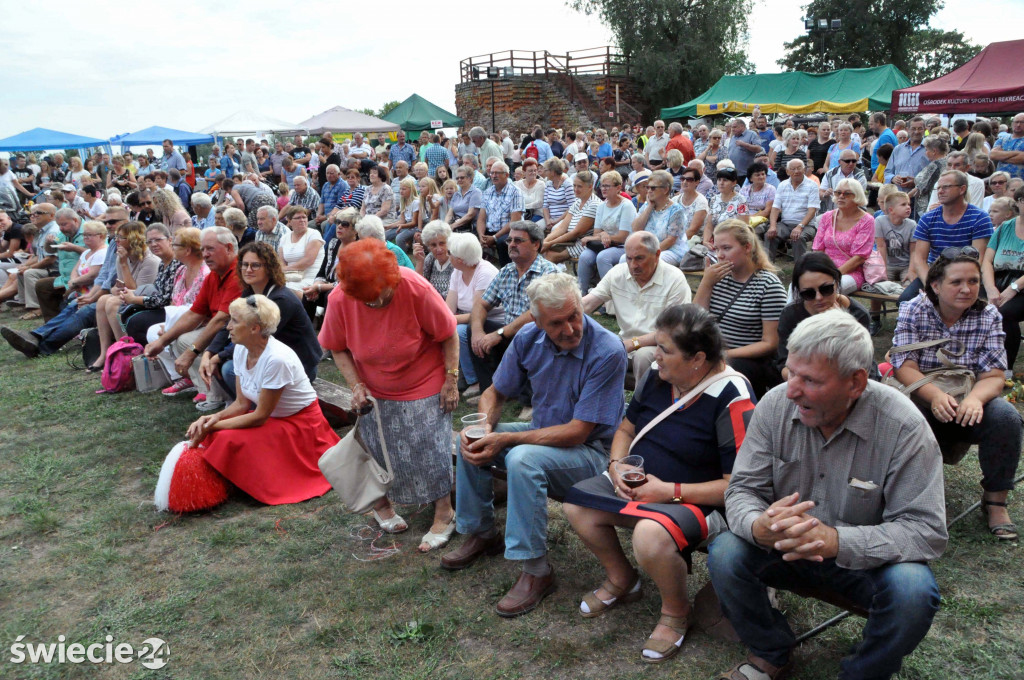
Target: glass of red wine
[474, 426]
[631, 471]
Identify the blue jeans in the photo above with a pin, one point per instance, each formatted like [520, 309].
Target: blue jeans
[532, 472]
[901, 600]
[227, 373]
[911, 291]
[71, 320]
[466, 354]
[602, 262]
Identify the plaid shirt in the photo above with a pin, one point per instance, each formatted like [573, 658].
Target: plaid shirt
[406, 153]
[509, 291]
[274, 237]
[310, 200]
[981, 333]
[332, 194]
[501, 205]
[436, 156]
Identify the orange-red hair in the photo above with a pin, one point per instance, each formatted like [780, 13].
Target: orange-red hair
[366, 268]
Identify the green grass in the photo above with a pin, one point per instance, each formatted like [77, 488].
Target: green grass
[288, 592]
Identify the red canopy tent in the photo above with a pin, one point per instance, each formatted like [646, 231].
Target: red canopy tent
[991, 82]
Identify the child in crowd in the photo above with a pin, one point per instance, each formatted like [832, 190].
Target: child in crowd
[894, 234]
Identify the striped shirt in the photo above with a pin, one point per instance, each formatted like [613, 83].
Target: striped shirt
[309, 200]
[794, 203]
[940, 235]
[557, 201]
[741, 314]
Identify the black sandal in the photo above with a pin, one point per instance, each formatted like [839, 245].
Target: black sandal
[1003, 532]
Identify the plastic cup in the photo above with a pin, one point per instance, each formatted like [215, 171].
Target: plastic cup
[474, 426]
[631, 471]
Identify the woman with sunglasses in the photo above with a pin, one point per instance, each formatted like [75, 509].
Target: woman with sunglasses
[816, 281]
[847, 234]
[952, 309]
[268, 441]
[663, 218]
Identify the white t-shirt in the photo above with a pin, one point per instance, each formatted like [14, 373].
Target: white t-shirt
[278, 367]
[482, 277]
[97, 209]
[293, 252]
[7, 179]
[532, 198]
[614, 220]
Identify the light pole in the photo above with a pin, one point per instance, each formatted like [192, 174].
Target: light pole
[823, 26]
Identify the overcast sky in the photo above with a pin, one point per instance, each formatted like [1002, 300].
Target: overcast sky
[182, 64]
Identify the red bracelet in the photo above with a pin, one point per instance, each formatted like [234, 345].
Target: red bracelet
[678, 498]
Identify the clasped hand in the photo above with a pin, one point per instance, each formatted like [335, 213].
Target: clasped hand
[484, 450]
[786, 527]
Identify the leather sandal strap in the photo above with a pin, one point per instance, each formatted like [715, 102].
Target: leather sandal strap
[594, 603]
[679, 624]
[614, 590]
[998, 504]
[662, 647]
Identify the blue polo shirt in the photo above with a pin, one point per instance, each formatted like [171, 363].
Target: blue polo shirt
[582, 384]
[887, 137]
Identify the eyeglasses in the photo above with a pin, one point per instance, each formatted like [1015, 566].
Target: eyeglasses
[997, 182]
[299, 217]
[953, 252]
[940, 187]
[178, 245]
[845, 194]
[154, 241]
[518, 240]
[114, 221]
[120, 237]
[847, 160]
[825, 290]
[250, 265]
[658, 186]
[343, 223]
[688, 179]
[608, 186]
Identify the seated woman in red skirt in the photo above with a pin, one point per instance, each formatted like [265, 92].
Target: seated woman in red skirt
[268, 441]
[686, 421]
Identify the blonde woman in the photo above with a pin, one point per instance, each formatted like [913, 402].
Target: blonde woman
[408, 210]
[79, 175]
[136, 266]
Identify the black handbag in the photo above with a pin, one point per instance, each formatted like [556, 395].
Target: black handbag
[1004, 277]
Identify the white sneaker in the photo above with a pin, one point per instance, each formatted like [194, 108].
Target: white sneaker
[471, 391]
[526, 414]
[206, 406]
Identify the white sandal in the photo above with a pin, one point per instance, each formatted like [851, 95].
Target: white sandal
[434, 541]
[392, 525]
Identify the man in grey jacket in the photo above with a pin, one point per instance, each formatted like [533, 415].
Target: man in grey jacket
[838, 487]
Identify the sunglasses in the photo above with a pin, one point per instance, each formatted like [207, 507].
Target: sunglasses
[251, 301]
[845, 194]
[953, 252]
[825, 290]
[847, 160]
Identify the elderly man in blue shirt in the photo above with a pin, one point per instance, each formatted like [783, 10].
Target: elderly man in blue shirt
[907, 158]
[576, 369]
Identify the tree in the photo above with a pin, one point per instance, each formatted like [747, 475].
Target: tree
[388, 108]
[877, 32]
[936, 52]
[677, 48]
[368, 112]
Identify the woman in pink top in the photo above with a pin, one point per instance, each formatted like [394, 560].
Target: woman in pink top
[393, 337]
[847, 233]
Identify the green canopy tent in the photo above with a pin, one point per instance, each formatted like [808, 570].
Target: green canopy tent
[849, 90]
[416, 114]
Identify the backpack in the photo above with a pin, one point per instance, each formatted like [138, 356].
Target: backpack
[118, 374]
[532, 152]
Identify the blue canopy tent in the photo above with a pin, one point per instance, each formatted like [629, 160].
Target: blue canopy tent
[154, 136]
[41, 139]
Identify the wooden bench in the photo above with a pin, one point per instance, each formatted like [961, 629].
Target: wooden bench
[335, 403]
[879, 297]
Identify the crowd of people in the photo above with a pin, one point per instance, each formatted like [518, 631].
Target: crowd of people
[470, 269]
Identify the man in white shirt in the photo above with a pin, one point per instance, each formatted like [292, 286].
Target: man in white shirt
[640, 289]
[655, 148]
[794, 212]
[957, 160]
[507, 147]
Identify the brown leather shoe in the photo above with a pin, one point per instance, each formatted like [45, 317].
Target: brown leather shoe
[526, 594]
[471, 550]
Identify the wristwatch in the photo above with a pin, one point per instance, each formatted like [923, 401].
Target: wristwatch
[453, 371]
[1015, 287]
[195, 350]
[636, 343]
[501, 332]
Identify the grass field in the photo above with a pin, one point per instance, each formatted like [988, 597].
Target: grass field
[250, 591]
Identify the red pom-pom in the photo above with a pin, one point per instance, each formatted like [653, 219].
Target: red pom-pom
[194, 484]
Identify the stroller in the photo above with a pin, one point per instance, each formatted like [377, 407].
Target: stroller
[10, 204]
